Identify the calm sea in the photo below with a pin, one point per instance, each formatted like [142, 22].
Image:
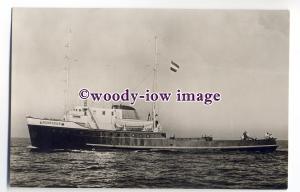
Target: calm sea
[141, 169]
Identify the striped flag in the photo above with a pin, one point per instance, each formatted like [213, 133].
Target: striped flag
[174, 66]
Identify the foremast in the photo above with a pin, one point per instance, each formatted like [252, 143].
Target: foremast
[154, 86]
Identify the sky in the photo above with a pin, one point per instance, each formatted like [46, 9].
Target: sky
[242, 54]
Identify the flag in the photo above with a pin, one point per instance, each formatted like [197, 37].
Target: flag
[174, 66]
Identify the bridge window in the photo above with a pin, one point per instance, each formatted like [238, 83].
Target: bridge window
[129, 114]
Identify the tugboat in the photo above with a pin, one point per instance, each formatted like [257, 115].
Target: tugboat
[119, 127]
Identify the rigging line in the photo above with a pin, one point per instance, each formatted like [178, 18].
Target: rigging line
[146, 77]
[165, 57]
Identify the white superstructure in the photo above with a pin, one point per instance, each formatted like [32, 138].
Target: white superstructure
[119, 117]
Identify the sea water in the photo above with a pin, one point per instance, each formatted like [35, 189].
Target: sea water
[147, 169]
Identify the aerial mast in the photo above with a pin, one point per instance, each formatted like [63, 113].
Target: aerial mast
[67, 67]
[154, 88]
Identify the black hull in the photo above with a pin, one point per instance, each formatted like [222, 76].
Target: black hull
[47, 138]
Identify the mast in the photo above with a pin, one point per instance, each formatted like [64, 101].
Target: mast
[67, 67]
[154, 87]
